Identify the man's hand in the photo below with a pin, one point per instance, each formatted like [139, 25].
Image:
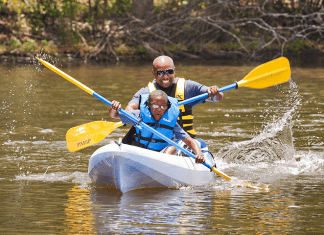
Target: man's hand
[214, 91]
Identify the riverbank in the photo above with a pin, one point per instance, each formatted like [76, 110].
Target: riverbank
[186, 32]
[311, 58]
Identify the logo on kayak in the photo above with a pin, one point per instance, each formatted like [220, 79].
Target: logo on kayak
[83, 142]
[167, 120]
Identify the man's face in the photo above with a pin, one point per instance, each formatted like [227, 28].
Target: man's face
[160, 107]
[164, 74]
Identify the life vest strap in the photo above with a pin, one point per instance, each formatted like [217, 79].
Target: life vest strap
[159, 125]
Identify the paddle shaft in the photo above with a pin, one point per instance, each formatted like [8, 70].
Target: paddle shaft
[139, 123]
[205, 95]
[268, 74]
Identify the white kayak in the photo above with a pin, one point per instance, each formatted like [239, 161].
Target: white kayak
[127, 168]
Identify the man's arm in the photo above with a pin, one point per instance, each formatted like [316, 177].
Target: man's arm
[132, 106]
[194, 89]
[135, 101]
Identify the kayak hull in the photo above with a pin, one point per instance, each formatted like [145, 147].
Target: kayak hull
[127, 168]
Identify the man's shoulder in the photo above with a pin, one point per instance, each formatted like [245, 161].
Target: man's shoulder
[136, 97]
[192, 83]
[143, 90]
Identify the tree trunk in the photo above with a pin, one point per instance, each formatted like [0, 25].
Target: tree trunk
[104, 15]
[90, 16]
[142, 9]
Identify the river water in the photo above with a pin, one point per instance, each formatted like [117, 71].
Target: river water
[45, 189]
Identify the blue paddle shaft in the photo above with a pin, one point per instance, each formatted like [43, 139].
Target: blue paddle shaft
[204, 96]
[144, 125]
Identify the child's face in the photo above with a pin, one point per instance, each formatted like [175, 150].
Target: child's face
[160, 107]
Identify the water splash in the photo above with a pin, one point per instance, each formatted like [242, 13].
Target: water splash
[44, 56]
[275, 140]
[256, 160]
[310, 162]
[288, 105]
[75, 177]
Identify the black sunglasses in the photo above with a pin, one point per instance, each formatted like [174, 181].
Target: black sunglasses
[160, 73]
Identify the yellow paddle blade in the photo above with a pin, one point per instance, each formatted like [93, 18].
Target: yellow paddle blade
[85, 135]
[268, 74]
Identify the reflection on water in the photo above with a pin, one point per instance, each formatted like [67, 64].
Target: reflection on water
[79, 217]
[103, 211]
[46, 189]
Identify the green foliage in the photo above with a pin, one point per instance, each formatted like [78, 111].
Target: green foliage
[29, 45]
[157, 10]
[254, 44]
[237, 33]
[297, 46]
[120, 7]
[44, 12]
[45, 42]
[15, 43]
[2, 6]
[204, 4]
[140, 49]
[69, 36]
[68, 19]
[174, 47]
[69, 8]
[49, 47]
[123, 49]
[229, 46]
[192, 48]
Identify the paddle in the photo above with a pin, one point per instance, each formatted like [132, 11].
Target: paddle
[268, 74]
[85, 135]
[265, 75]
[138, 123]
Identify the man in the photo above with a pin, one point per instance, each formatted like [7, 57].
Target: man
[164, 72]
[161, 113]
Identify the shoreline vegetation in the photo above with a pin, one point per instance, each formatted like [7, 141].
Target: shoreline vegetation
[139, 30]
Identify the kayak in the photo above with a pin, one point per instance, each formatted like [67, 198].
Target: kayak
[127, 168]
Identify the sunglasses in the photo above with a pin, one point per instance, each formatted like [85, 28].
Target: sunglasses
[160, 73]
[158, 106]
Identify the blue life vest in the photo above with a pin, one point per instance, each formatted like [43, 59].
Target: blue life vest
[146, 139]
[186, 118]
